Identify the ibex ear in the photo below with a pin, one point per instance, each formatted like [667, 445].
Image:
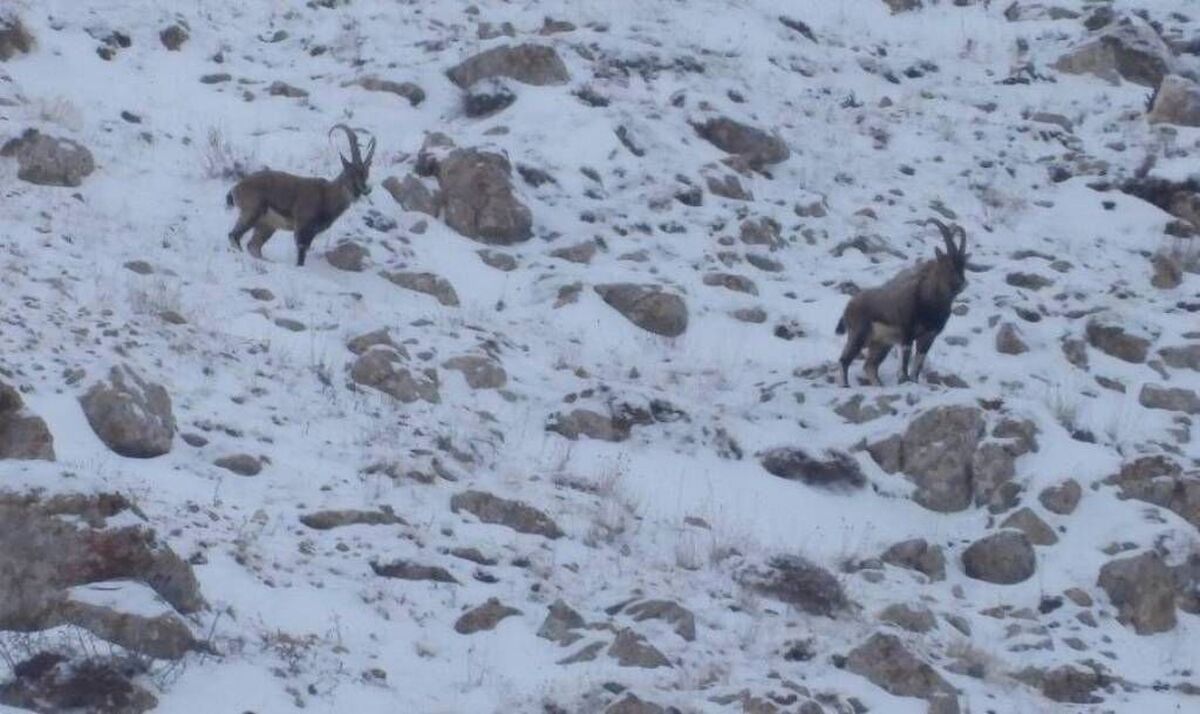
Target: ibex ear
[940, 255]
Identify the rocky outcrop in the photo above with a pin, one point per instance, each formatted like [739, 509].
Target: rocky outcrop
[1142, 588]
[528, 63]
[348, 255]
[383, 368]
[480, 372]
[23, 434]
[48, 160]
[478, 200]
[1115, 341]
[647, 306]
[520, 517]
[917, 554]
[1175, 399]
[1162, 482]
[1177, 101]
[754, 146]
[884, 661]
[132, 416]
[1129, 49]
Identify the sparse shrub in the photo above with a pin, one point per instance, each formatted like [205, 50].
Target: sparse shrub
[222, 160]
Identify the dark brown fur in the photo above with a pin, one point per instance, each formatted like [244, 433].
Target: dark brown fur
[913, 306]
[268, 201]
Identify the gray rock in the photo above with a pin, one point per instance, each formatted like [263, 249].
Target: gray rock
[50, 682]
[630, 649]
[1142, 588]
[382, 368]
[884, 661]
[593, 425]
[1061, 498]
[761, 231]
[1003, 558]
[1009, 341]
[1035, 529]
[1175, 399]
[914, 618]
[581, 253]
[280, 88]
[731, 281]
[412, 194]
[561, 624]
[1114, 341]
[484, 617]
[755, 146]
[1176, 102]
[487, 97]
[407, 570]
[427, 283]
[366, 341]
[1181, 356]
[15, 38]
[407, 90]
[798, 582]
[917, 554]
[1069, 684]
[240, 464]
[1161, 481]
[538, 65]
[23, 434]
[728, 186]
[1129, 49]
[632, 705]
[498, 260]
[131, 416]
[48, 160]
[173, 37]
[516, 515]
[349, 256]
[667, 611]
[480, 372]
[587, 653]
[1168, 273]
[898, 6]
[163, 636]
[647, 306]
[327, 520]
[937, 453]
[833, 469]
[478, 199]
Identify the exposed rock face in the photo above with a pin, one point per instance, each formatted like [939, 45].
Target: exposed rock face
[348, 255]
[48, 160]
[1114, 341]
[755, 146]
[886, 663]
[1030, 523]
[480, 372]
[23, 434]
[561, 624]
[516, 515]
[1175, 399]
[162, 636]
[1129, 49]
[917, 554]
[1143, 590]
[631, 704]
[647, 306]
[630, 649]
[898, 6]
[538, 65]
[478, 199]
[835, 469]
[1003, 558]
[131, 416]
[383, 368]
[798, 582]
[731, 281]
[408, 570]
[1177, 102]
[1161, 481]
[483, 618]
[412, 194]
[48, 546]
[1062, 498]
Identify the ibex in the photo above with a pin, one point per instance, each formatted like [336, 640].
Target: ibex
[911, 307]
[268, 201]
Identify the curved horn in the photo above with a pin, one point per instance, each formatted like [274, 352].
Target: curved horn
[962, 240]
[370, 151]
[947, 233]
[355, 157]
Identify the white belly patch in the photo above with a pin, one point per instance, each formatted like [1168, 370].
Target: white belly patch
[276, 221]
[884, 333]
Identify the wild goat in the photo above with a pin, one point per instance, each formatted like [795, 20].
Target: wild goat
[912, 306]
[268, 201]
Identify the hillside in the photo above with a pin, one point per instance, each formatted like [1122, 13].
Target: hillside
[550, 421]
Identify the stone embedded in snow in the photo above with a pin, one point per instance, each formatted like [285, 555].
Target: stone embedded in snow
[884, 661]
[173, 37]
[326, 520]
[516, 515]
[382, 368]
[407, 90]
[478, 200]
[755, 146]
[587, 653]
[1061, 498]
[500, 261]
[1175, 399]
[408, 570]
[937, 452]
[832, 469]
[240, 464]
[728, 186]
[50, 682]
[631, 704]
[23, 434]
[367, 340]
[1009, 340]
[668, 611]
[480, 372]
[412, 194]
[1181, 356]
[15, 38]
[898, 6]
[630, 649]
[1128, 49]
[427, 283]
[581, 252]
[487, 97]
[1177, 101]
[798, 582]
[763, 231]
[348, 255]
[131, 416]
[1003, 558]
[914, 618]
[280, 88]
[560, 624]
[1035, 529]
[1072, 685]
[1161, 481]
[593, 425]
[129, 614]
[528, 63]
[647, 306]
[731, 281]
[484, 617]
[917, 554]
[48, 160]
[1142, 588]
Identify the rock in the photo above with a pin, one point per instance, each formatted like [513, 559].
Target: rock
[630, 649]
[834, 469]
[914, 618]
[131, 416]
[516, 515]
[49, 161]
[348, 256]
[412, 194]
[478, 198]
[728, 186]
[1176, 399]
[752, 315]
[937, 453]
[1008, 340]
[647, 306]
[15, 38]
[381, 368]
[802, 584]
[23, 434]
[283, 89]
[593, 425]
[407, 90]
[1128, 49]
[1076, 352]
[1182, 356]
[240, 464]
[1062, 498]
[560, 624]
[884, 661]
[587, 653]
[1161, 481]
[1072, 685]
[1142, 588]
[173, 37]
[917, 554]
[48, 682]
[1035, 529]
[484, 617]
[731, 281]
[1003, 558]
[366, 341]
[538, 65]
[104, 609]
[49, 545]
[427, 283]
[667, 611]
[764, 231]
[755, 146]
[1114, 341]
[1187, 584]
[1168, 275]
[480, 372]
[487, 97]
[632, 705]
[898, 6]
[326, 520]
[498, 260]
[407, 570]
[581, 253]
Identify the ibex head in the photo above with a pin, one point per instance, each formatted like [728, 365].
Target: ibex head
[356, 169]
[951, 264]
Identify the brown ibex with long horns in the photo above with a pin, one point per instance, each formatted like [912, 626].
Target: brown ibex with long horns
[911, 307]
[268, 201]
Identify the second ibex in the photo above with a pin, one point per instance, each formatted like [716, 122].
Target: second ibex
[268, 201]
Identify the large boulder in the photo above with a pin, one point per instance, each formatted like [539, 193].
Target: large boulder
[1003, 558]
[48, 160]
[1142, 588]
[382, 368]
[1177, 101]
[478, 200]
[936, 452]
[647, 306]
[23, 434]
[131, 416]
[755, 146]
[527, 63]
[884, 661]
[1129, 49]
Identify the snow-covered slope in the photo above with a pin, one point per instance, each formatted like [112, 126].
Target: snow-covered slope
[889, 119]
